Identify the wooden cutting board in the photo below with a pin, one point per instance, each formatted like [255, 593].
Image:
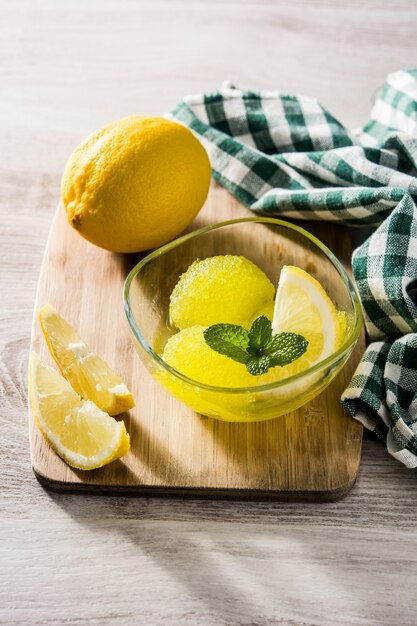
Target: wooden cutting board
[312, 453]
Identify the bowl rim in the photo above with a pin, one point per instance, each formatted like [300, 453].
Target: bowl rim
[347, 345]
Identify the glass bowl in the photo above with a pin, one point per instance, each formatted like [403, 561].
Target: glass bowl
[270, 244]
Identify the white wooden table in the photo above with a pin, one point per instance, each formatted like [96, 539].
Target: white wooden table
[67, 68]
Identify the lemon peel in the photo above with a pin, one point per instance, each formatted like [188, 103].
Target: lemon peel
[136, 183]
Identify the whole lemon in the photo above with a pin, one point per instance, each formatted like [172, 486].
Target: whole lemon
[136, 183]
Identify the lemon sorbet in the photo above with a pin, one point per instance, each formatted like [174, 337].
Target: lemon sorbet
[225, 288]
[226, 341]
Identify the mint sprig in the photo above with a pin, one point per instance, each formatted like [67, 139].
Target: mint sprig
[228, 339]
[257, 348]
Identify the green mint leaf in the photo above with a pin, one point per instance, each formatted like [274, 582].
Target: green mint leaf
[228, 339]
[285, 348]
[257, 348]
[260, 335]
[258, 365]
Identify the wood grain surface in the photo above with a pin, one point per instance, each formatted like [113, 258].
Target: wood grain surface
[66, 69]
[312, 453]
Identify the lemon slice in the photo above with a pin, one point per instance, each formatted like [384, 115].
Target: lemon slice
[302, 306]
[90, 376]
[80, 433]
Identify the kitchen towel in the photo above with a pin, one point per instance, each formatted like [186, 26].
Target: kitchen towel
[286, 156]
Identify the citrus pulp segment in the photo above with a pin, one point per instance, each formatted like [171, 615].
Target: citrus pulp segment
[90, 376]
[83, 435]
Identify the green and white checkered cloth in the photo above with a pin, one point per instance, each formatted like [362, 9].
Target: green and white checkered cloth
[285, 155]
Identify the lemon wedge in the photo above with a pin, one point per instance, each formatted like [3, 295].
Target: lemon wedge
[90, 376]
[302, 306]
[80, 433]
